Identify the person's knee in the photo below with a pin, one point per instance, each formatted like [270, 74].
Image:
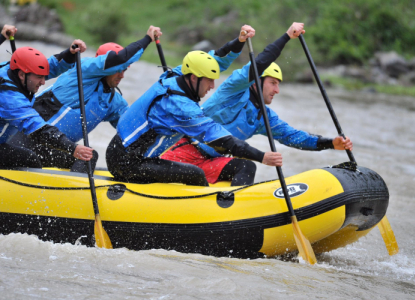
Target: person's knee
[193, 175]
[250, 166]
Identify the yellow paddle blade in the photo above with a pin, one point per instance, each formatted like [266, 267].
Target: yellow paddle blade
[388, 236]
[101, 236]
[303, 244]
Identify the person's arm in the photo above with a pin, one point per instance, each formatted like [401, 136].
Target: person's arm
[62, 62]
[237, 148]
[187, 118]
[291, 137]
[20, 114]
[273, 50]
[51, 137]
[125, 55]
[231, 50]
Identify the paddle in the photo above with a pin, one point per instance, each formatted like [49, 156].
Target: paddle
[161, 54]
[384, 225]
[101, 237]
[12, 43]
[303, 244]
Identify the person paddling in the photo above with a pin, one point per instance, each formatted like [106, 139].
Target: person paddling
[20, 79]
[169, 110]
[235, 106]
[101, 75]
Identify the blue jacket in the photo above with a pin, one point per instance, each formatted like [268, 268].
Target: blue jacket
[16, 112]
[231, 107]
[101, 102]
[98, 106]
[169, 114]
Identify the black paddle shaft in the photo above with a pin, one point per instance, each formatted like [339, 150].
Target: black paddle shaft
[12, 43]
[268, 127]
[323, 92]
[84, 130]
[161, 54]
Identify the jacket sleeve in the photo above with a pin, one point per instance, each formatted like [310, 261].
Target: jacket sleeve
[287, 135]
[19, 113]
[111, 62]
[238, 148]
[57, 67]
[205, 130]
[224, 56]
[270, 54]
[51, 137]
[125, 55]
[227, 53]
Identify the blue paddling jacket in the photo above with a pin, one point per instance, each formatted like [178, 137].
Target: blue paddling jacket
[16, 111]
[102, 103]
[235, 107]
[167, 112]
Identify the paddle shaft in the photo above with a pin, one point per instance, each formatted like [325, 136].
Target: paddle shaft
[161, 54]
[12, 43]
[84, 130]
[323, 92]
[268, 127]
[384, 225]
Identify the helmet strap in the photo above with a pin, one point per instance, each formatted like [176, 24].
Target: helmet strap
[195, 92]
[25, 84]
[199, 79]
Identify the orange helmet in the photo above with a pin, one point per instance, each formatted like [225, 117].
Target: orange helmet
[29, 60]
[103, 49]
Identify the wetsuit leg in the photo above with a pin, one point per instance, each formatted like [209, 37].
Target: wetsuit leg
[52, 158]
[150, 170]
[128, 167]
[82, 166]
[48, 157]
[15, 157]
[240, 171]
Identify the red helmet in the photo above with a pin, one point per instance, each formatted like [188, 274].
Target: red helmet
[103, 49]
[29, 60]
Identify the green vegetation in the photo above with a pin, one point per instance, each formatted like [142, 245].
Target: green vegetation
[349, 32]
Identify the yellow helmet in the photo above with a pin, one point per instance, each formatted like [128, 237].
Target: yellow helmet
[273, 71]
[201, 64]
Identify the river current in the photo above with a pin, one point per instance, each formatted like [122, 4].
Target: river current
[381, 128]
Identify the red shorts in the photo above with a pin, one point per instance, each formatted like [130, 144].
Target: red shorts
[189, 154]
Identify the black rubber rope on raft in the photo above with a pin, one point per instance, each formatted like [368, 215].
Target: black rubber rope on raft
[131, 191]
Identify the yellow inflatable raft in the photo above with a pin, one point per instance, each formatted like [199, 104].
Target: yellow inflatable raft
[334, 207]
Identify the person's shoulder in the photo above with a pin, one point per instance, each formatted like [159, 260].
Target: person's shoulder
[118, 100]
[182, 105]
[14, 100]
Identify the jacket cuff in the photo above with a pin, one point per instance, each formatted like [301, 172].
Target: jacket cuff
[324, 143]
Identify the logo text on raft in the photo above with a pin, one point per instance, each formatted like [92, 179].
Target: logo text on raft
[294, 190]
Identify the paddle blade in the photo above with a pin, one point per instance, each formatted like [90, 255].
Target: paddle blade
[101, 236]
[388, 236]
[303, 244]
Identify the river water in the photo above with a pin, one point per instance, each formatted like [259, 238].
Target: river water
[381, 128]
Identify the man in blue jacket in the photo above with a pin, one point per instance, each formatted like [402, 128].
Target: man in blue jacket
[169, 110]
[20, 79]
[59, 104]
[235, 105]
